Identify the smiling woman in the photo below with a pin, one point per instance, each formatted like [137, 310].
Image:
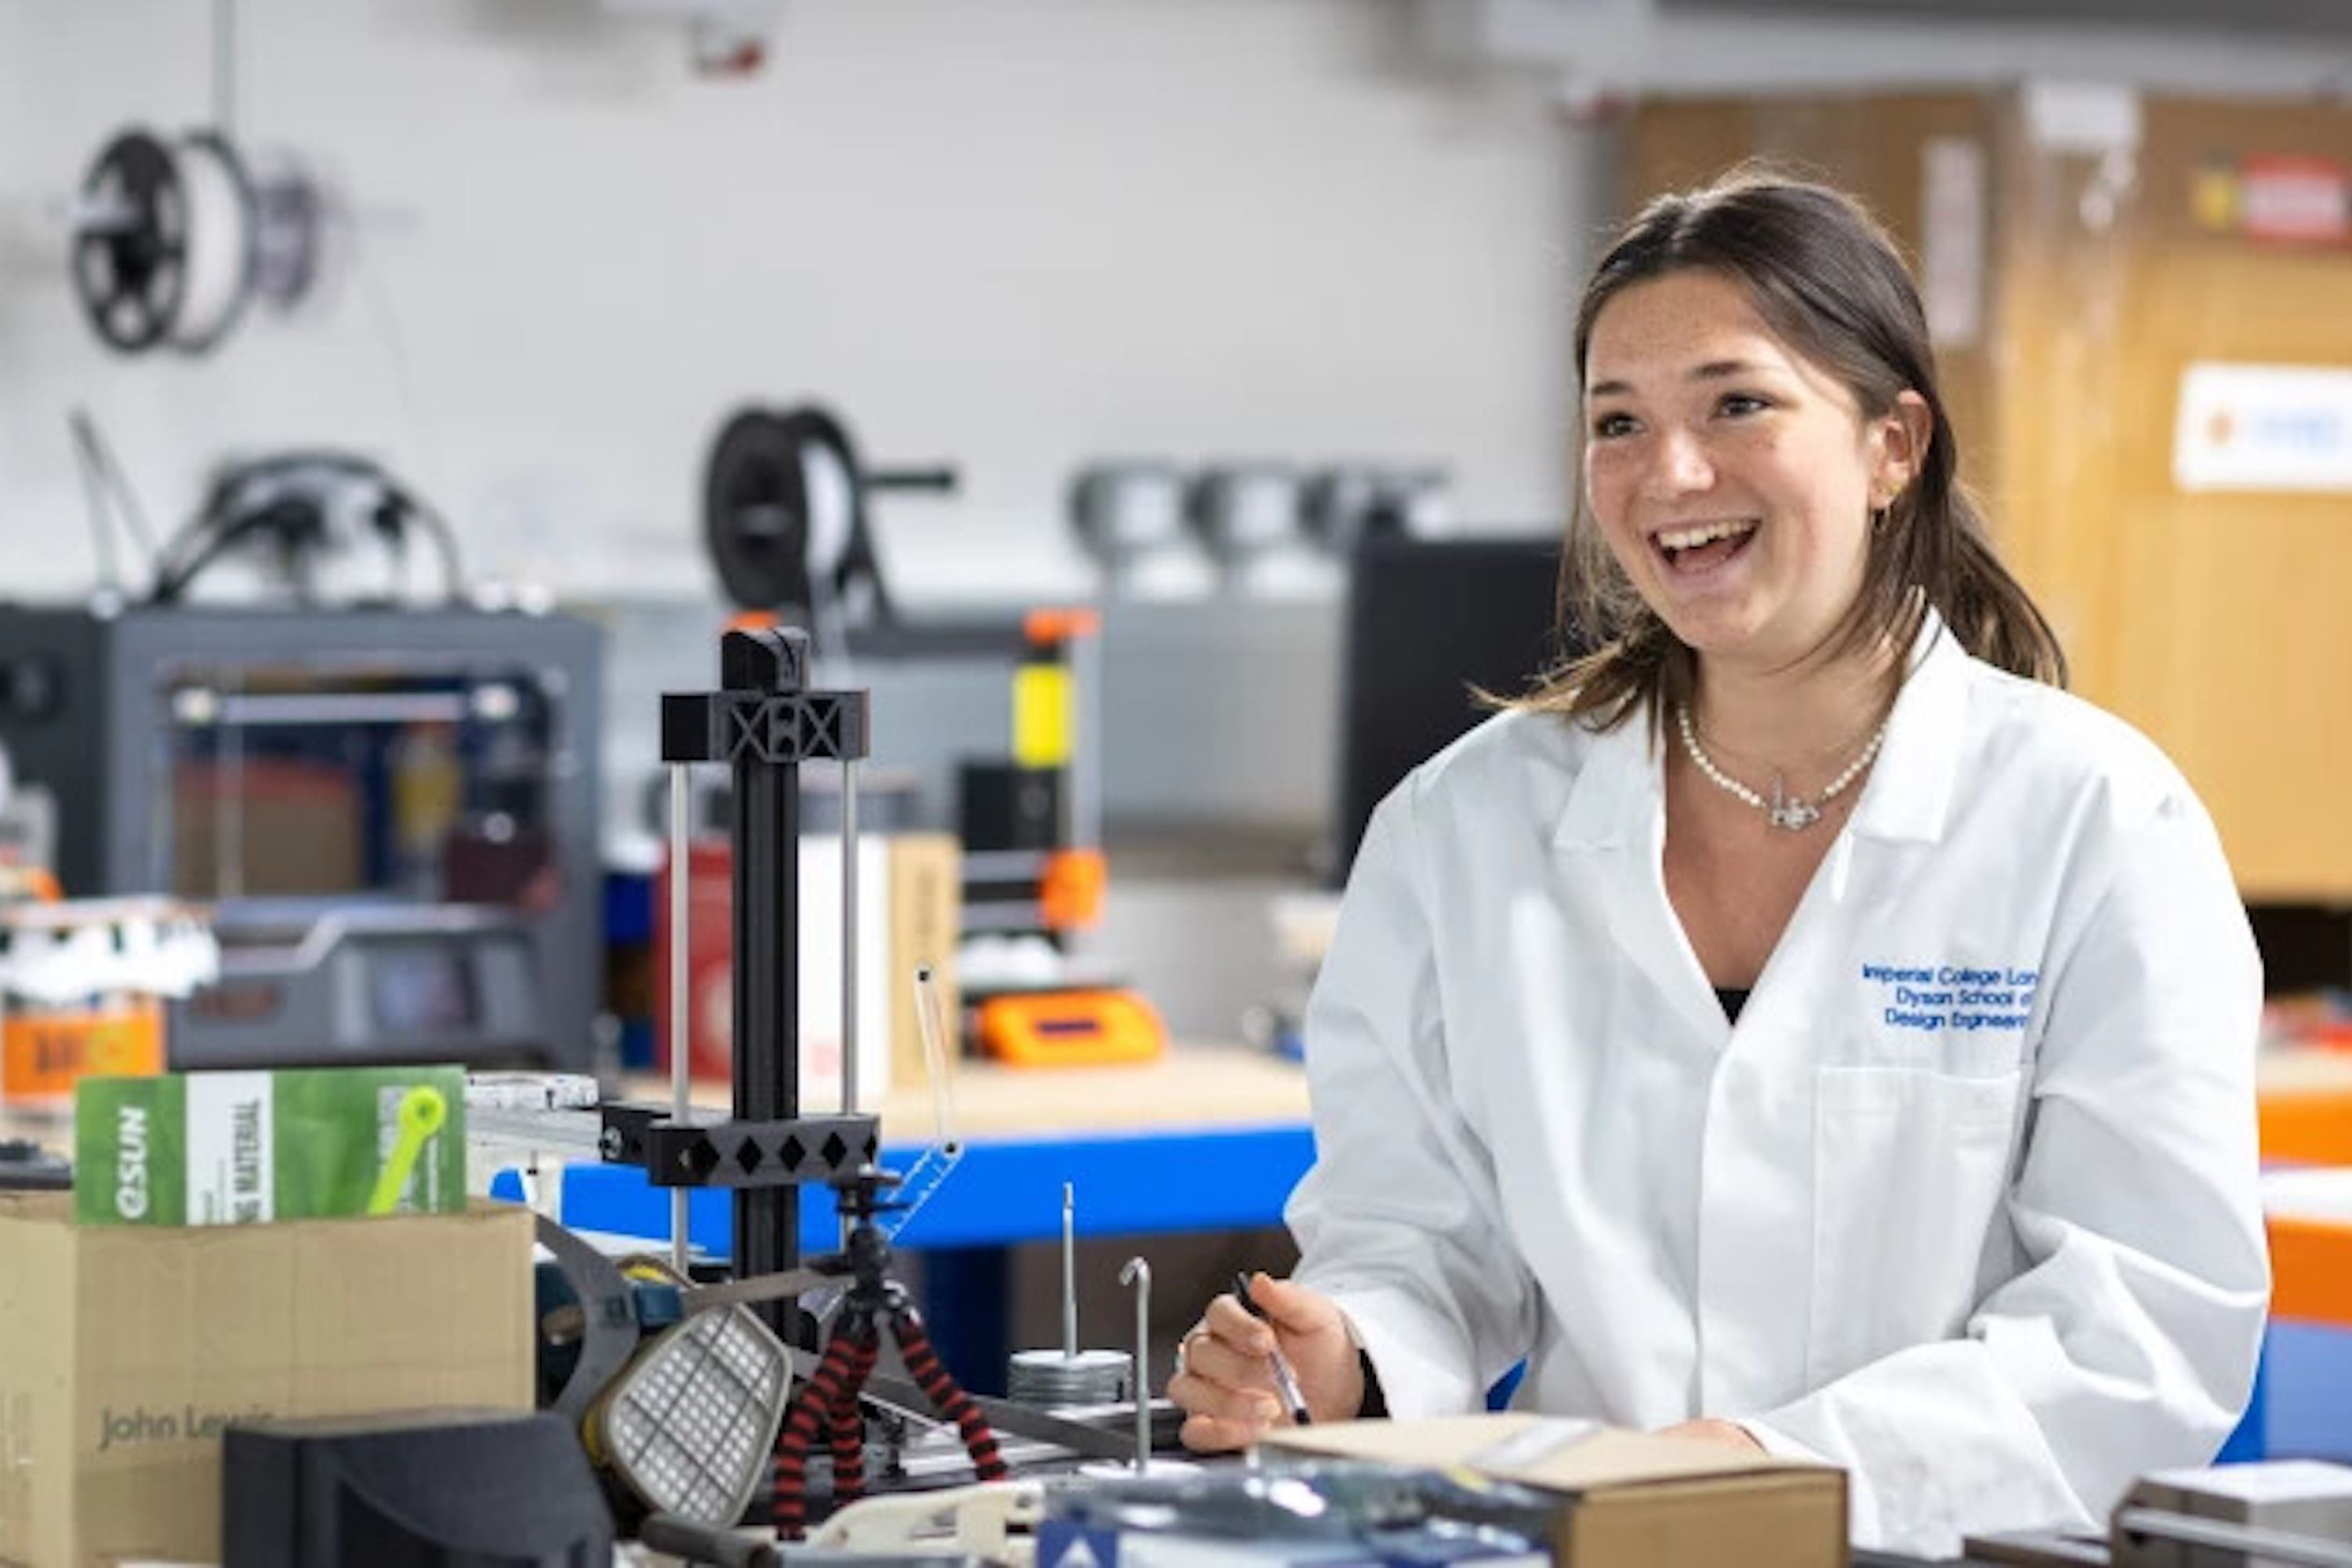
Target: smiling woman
[1856, 1060]
[1770, 324]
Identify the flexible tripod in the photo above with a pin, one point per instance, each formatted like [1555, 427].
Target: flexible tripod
[828, 1402]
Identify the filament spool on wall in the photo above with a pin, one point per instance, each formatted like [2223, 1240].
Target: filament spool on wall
[784, 514]
[755, 511]
[220, 243]
[130, 252]
[173, 240]
[289, 218]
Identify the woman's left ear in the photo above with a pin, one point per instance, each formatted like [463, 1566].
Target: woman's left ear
[1905, 436]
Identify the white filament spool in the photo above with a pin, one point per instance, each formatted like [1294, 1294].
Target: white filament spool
[220, 242]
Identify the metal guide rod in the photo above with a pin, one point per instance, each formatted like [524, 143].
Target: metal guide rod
[849, 871]
[1138, 1273]
[681, 829]
[929, 1017]
[229, 815]
[1069, 1271]
[224, 103]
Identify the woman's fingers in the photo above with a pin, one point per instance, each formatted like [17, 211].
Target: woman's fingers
[1230, 1323]
[1216, 1358]
[1216, 1380]
[1296, 1308]
[1242, 1406]
[1208, 1435]
[1311, 1333]
[1225, 1390]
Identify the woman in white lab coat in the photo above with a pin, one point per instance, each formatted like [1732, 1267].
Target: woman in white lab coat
[1798, 1023]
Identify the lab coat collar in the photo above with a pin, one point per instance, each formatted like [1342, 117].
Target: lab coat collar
[1618, 791]
[1909, 791]
[1619, 795]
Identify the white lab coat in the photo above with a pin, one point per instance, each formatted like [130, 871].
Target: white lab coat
[1965, 1204]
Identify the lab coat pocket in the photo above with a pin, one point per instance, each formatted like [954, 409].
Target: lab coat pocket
[1909, 1169]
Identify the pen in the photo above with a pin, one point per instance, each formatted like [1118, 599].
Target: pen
[1284, 1378]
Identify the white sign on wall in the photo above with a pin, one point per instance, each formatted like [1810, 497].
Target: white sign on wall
[2263, 427]
[1952, 239]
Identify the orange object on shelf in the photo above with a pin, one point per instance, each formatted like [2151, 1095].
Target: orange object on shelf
[2311, 1269]
[2305, 1105]
[45, 1051]
[1043, 628]
[1070, 1028]
[1070, 888]
[2308, 1129]
[29, 882]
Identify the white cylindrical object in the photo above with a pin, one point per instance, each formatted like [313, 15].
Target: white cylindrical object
[1049, 1380]
[681, 831]
[849, 869]
[219, 222]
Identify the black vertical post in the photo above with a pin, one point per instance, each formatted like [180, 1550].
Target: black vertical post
[763, 723]
[771, 662]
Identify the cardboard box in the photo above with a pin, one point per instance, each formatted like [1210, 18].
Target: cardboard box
[926, 912]
[910, 902]
[125, 1350]
[1628, 1499]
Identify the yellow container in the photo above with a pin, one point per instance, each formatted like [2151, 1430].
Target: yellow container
[1041, 716]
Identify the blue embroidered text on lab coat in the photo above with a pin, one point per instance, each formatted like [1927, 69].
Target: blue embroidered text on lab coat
[1953, 996]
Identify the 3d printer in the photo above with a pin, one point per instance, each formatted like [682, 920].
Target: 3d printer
[392, 812]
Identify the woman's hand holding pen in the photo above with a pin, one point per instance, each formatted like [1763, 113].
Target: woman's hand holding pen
[1226, 1382]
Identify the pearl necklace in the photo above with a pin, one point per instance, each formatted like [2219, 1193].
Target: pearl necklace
[1784, 811]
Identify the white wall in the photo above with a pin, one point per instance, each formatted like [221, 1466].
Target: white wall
[1011, 233]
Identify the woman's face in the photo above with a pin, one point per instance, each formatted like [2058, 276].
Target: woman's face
[1733, 479]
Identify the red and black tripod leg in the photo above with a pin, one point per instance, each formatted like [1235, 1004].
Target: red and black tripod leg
[848, 1427]
[946, 1396]
[836, 1377]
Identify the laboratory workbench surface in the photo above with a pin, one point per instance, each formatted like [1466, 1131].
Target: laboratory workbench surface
[1206, 1137]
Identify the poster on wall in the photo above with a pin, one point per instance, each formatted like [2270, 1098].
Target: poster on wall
[2273, 198]
[1952, 239]
[2263, 427]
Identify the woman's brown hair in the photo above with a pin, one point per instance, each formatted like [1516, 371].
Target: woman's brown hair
[1830, 283]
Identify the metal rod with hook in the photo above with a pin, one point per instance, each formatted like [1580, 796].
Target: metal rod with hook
[1138, 1273]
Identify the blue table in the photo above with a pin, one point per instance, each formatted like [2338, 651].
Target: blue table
[1206, 1139]
[1005, 1190]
